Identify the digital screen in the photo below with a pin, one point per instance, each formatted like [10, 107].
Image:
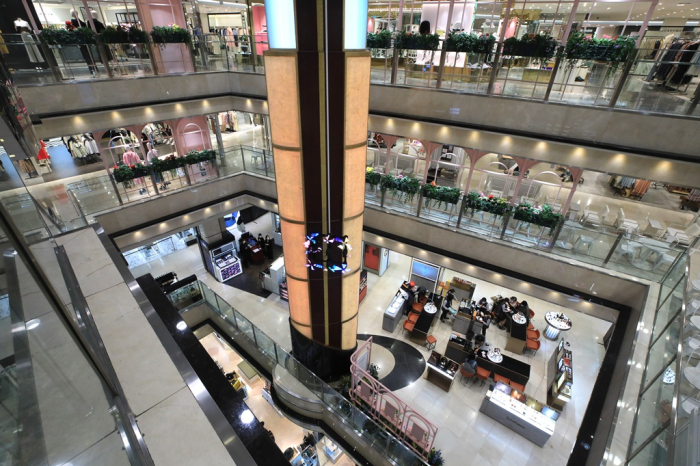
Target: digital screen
[425, 270]
[327, 252]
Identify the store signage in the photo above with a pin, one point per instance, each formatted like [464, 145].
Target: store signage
[327, 252]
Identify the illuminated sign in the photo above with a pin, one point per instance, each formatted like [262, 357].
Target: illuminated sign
[327, 252]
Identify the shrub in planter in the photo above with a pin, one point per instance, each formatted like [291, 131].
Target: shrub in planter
[172, 34]
[372, 177]
[199, 156]
[440, 195]
[410, 41]
[469, 43]
[616, 50]
[544, 216]
[530, 45]
[380, 40]
[409, 187]
[133, 35]
[169, 163]
[78, 36]
[478, 202]
[126, 173]
[435, 458]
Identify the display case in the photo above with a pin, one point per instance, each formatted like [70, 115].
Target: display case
[560, 377]
[225, 262]
[273, 276]
[363, 285]
[520, 413]
[441, 370]
[331, 450]
[394, 312]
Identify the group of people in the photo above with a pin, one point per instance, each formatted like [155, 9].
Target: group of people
[416, 294]
[267, 244]
[504, 309]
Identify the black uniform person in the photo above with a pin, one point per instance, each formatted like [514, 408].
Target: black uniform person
[447, 304]
[245, 254]
[269, 245]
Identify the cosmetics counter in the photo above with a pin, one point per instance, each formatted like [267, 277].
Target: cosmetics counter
[225, 262]
[560, 376]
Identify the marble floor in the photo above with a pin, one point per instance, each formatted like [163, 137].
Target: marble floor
[456, 411]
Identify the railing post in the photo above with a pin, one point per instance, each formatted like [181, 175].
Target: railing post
[623, 78]
[613, 248]
[506, 220]
[461, 209]
[186, 169]
[420, 203]
[50, 60]
[555, 236]
[102, 48]
[240, 148]
[116, 191]
[265, 162]
[153, 181]
[395, 65]
[383, 195]
[557, 62]
[152, 57]
[494, 69]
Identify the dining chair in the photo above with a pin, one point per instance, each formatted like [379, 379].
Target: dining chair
[413, 317]
[585, 241]
[482, 374]
[623, 223]
[408, 326]
[595, 217]
[466, 375]
[533, 345]
[517, 386]
[533, 334]
[497, 378]
[532, 314]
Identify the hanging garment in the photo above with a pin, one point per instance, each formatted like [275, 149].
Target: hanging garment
[234, 121]
[43, 153]
[3, 47]
[26, 166]
[91, 146]
[685, 58]
[626, 182]
[78, 149]
[640, 188]
[151, 154]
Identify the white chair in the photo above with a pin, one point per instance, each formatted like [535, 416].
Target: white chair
[629, 249]
[585, 241]
[666, 258]
[622, 223]
[684, 236]
[590, 216]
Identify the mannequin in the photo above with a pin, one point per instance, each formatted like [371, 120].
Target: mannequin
[33, 52]
[99, 27]
[78, 23]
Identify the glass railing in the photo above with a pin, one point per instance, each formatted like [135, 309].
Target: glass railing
[366, 430]
[668, 407]
[603, 246]
[650, 80]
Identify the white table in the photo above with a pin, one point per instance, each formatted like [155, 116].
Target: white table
[555, 325]
[655, 228]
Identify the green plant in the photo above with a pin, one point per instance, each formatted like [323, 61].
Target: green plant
[199, 156]
[372, 177]
[374, 371]
[470, 43]
[543, 216]
[172, 34]
[408, 186]
[616, 50]
[126, 173]
[344, 385]
[406, 40]
[440, 195]
[380, 40]
[79, 36]
[435, 458]
[530, 45]
[169, 163]
[133, 35]
[478, 202]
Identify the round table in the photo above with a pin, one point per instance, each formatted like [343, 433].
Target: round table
[495, 357]
[555, 325]
[430, 308]
[519, 319]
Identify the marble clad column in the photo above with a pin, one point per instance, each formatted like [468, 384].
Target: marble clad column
[318, 97]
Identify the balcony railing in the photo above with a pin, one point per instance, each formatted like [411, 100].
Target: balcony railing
[271, 355]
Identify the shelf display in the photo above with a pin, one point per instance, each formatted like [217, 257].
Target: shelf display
[560, 377]
[226, 263]
[520, 413]
[441, 370]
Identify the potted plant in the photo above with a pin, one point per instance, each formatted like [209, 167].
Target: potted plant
[133, 35]
[199, 156]
[171, 34]
[380, 40]
[479, 202]
[615, 50]
[468, 42]
[440, 195]
[76, 36]
[435, 458]
[406, 40]
[126, 173]
[372, 177]
[530, 45]
[542, 216]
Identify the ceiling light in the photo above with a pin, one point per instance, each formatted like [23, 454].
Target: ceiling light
[247, 417]
[181, 325]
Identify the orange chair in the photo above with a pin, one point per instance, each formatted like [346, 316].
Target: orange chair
[413, 317]
[482, 374]
[430, 342]
[533, 334]
[532, 314]
[468, 375]
[497, 378]
[417, 307]
[517, 386]
[533, 345]
[530, 326]
[408, 326]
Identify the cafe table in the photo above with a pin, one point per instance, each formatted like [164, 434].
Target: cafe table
[510, 368]
[517, 337]
[555, 324]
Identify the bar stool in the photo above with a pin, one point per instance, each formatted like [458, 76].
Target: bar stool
[533, 334]
[482, 374]
[517, 386]
[430, 342]
[408, 326]
[533, 345]
[497, 378]
[413, 317]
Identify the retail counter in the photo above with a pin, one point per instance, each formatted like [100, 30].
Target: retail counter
[510, 368]
[393, 313]
[441, 371]
[520, 413]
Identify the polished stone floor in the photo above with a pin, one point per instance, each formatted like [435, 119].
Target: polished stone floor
[456, 411]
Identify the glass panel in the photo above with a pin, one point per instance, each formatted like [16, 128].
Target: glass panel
[224, 308]
[654, 454]
[244, 325]
[265, 344]
[210, 297]
[663, 351]
[654, 409]
[93, 195]
[668, 310]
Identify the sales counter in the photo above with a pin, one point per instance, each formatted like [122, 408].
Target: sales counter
[520, 413]
[421, 329]
[441, 370]
[517, 336]
[510, 368]
[394, 312]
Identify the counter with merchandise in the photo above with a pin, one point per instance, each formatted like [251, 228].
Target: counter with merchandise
[394, 312]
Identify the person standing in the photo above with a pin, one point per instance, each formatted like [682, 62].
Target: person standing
[447, 304]
[245, 255]
[269, 247]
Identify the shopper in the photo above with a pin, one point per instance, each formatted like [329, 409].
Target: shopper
[260, 239]
[269, 247]
[447, 304]
[500, 312]
[245, 255]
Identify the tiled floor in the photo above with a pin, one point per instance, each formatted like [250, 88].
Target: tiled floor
[456, 412]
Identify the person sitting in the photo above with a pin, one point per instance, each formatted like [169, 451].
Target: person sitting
[501, 311]
[524, 309]
[513, 301]
[469, 366]
[447, 304]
